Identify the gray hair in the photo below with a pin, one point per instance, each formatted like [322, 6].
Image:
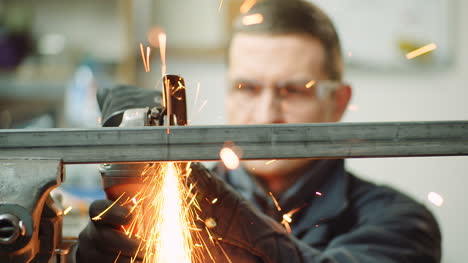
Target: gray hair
[298, 17]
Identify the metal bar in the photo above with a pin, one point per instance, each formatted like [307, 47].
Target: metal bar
[280, 141]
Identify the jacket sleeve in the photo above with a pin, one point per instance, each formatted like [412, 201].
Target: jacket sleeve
[403, 231]
[389, 228]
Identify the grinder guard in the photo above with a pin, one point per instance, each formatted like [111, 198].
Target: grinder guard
[126, 177]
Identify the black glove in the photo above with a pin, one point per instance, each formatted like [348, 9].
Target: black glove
[115, 100]
[245, 233]
[103, 240]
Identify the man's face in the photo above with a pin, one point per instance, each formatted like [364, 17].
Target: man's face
[271, 81]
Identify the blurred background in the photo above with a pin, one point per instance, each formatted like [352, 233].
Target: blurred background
[55, 54]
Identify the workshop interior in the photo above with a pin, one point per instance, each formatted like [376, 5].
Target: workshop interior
[55, 56]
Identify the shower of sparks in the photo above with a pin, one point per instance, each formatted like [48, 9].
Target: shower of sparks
[435, 198]
[229, 158]
[275, 201]
[247, 5]
[98, 217]
[66, 211]
[422, 50]
[270, 162]
[252, 19]
[310, 84]
[163, 215]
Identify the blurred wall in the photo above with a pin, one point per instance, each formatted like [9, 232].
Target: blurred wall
[421, 96]
[89, 26]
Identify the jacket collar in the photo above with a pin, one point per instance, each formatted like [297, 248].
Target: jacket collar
[321, 192]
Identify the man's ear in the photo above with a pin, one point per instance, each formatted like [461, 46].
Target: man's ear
[342, 98]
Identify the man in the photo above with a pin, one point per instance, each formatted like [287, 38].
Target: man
[288, 69]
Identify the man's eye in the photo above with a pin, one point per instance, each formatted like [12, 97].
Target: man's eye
[296, 90]
[293, 90]
[247, 87]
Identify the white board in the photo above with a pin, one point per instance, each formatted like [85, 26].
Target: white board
[379, 33]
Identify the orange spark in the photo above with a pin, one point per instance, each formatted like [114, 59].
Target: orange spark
[214, 201]
[148, 54]
[435, 198]
[252, 19]
[196, 94]
[117, 258]
[422, 50]
[270, 162]
[229, 158]
[167, 94]
[66, 211]
[142, 51]
[220, 5]
[203, 105]
[310, 84]
[162, 50]
[275, 201]
[225, 254]
[287, 218]
[247, 5]
[98, 217]
[318, 193]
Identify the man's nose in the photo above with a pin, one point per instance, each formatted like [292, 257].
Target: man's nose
[268, 108]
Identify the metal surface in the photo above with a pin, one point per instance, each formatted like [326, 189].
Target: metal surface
[333, 140]
[24, 190]
[10, 229]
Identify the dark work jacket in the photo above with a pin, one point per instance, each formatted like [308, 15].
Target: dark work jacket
[344, 219]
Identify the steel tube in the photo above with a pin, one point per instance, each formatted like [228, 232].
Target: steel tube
[203, 143]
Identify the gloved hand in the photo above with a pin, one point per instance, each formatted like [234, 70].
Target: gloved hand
[117, 99]
[234, 223]
[103, 240]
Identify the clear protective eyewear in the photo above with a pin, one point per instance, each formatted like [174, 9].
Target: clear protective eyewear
[288, 90]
